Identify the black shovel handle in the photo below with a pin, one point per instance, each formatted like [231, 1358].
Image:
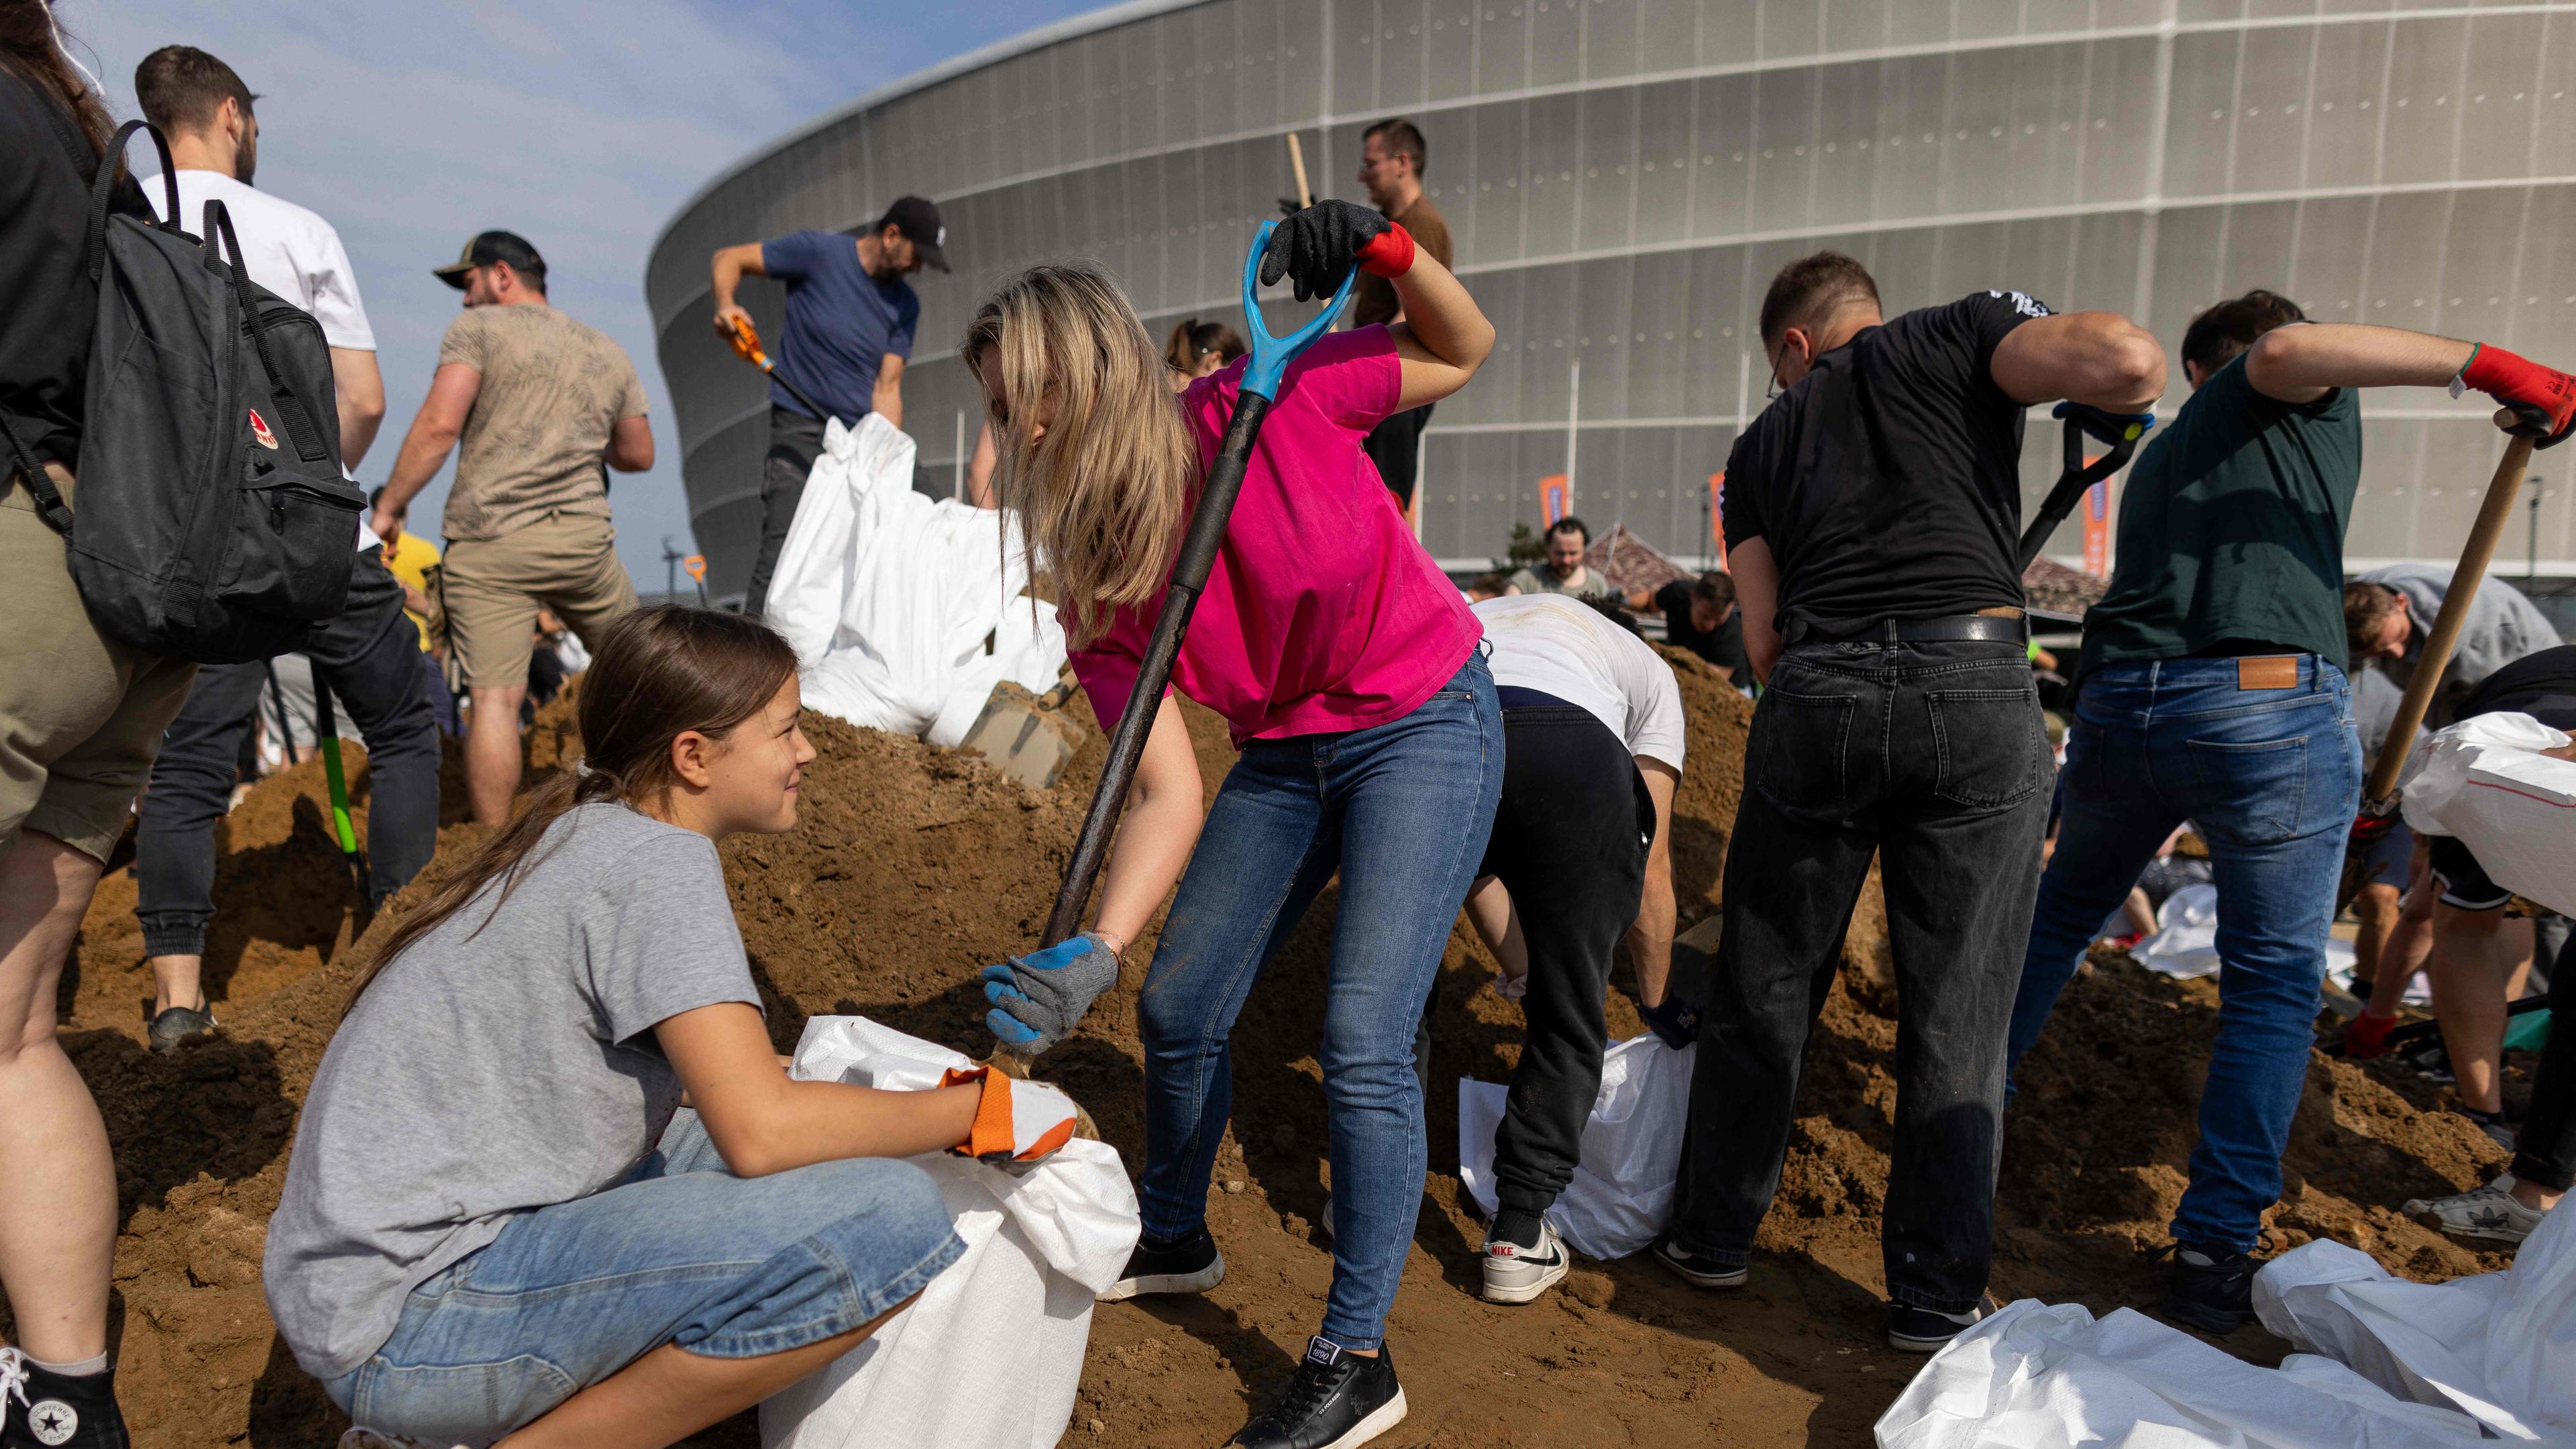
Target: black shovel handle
[2120, 433]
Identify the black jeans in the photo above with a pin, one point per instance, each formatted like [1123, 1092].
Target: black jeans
[795, 441]
[369, 658]
[1395, 446]
[1569, 843]
[2546, 1156]
[1932, 756]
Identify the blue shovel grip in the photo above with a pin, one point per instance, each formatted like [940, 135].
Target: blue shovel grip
[1271, 355]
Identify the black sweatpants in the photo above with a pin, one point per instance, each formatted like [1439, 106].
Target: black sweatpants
[1570, 841]
[795, 441]
[369, 658]
[2546, 1156]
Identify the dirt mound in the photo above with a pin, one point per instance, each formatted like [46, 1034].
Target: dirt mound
[914, 866]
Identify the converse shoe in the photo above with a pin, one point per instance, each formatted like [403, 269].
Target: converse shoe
[1189, 1265]
[1926, 1330]
[41, 1409]
[1338, 1400]
[1699, 1269]
[1514, 1274]
[2212, 1288]
[2490, 1212]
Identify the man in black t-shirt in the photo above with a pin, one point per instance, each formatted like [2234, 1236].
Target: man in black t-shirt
[1699, 615]
[1872, 514]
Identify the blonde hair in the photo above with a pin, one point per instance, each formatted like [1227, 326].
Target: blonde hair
[1104, 495]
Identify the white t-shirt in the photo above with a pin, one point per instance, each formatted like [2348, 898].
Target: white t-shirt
[1558, 646]
[288, 250]
[285, 248]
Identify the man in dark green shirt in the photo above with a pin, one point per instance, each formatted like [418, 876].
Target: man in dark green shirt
[2213, 691]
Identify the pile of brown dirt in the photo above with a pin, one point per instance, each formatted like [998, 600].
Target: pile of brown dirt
[912, 867]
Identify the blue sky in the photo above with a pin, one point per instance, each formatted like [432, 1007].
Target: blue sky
[580, 125]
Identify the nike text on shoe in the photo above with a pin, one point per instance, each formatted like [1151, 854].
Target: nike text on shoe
[2212, 1288]
[1924, 1330]
[1338, 1400]
[1699, 1269]
[1517, 1274]
[1188, 1265]
[2490, 1213]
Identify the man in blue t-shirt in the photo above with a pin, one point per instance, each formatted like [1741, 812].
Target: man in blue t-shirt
[850, 320]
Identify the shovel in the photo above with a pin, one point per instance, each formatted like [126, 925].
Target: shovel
[1027, 736]
[1261, 377]
[326, 730]
[2120, 432]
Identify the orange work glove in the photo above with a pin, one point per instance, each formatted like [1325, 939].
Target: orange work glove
[1018, 1124]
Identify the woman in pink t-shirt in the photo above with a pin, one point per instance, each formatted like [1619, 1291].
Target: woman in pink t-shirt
[1348, 669]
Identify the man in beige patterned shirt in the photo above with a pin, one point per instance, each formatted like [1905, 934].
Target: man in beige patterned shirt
[538, 408]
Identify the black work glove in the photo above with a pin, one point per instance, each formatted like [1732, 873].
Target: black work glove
[1675, 1022]
[1317, 247]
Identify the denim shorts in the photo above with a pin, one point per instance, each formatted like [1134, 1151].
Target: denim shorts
[683, 1252]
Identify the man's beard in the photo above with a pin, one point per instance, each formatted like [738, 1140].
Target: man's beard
[246, 160]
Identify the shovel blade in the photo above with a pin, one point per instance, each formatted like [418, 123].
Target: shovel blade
[1022, 738]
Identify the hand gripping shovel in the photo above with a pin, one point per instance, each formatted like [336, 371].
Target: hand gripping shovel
[746, 345]
[1261, 376]
[2119, 432]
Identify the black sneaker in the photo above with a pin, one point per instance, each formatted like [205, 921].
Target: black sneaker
[180, 1025]
[1926, 1330]
[1192, 1265]
[1338, 1400]
[2212, 1289]
[41, 1409]
[1699, 1269]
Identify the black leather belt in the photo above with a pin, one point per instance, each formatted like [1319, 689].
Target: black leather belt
[1947, 628]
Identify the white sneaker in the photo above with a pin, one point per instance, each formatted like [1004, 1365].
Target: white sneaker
[2489, 1212]
[1514, 1274]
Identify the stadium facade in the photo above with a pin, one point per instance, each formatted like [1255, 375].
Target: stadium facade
[1623, 176]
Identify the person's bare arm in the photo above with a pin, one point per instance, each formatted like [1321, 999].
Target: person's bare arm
[452, 390]
[887, 399]
[1490, 911]
[729, 266]
[1757, 599]
[415, 600]
[630, 444]
[762, 1122]
[1165, 808]
[979, 468]
[1649, 940]
[1444, 336]
[2101, 358]
[2301, 363]
[359, 389]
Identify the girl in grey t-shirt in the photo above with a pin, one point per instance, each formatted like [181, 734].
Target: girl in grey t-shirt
[493, 1225]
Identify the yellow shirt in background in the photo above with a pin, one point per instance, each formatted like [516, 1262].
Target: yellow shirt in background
[409, 557]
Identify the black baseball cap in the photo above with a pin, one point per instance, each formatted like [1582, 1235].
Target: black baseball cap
[495, 246]
[918, 220]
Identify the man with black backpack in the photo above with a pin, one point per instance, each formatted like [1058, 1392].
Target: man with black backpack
[367, 656]
[81, 712]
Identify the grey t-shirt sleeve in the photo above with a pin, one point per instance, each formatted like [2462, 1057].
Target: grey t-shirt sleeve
[660, 937]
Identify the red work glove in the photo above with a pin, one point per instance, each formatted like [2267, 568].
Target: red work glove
[2541, 399]
[2369, 828]
[1387, 254]
[1018, 1124]
[2366, 1036]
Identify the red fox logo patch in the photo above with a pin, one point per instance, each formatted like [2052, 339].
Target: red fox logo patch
[259, 430]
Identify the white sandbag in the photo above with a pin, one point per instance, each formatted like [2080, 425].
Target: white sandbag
[990, 1355]
[2043, 1376]
[2500, 1347]
[2185, 944]
[1622, 1193]
[2485, 781]
[889, 596]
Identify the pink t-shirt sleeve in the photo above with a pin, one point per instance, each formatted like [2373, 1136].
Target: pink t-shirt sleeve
[1107, 668]
[1354, 378]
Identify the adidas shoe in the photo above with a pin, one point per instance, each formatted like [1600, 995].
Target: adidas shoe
[1516, 1274]
[1338, 1400]
[1699, 1269]
[1189, 1265]
[2490, 1212]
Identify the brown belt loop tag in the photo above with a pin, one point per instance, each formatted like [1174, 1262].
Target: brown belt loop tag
[2269, 671]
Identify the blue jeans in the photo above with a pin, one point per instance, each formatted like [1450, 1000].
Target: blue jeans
[2270, 778]
[683, 1252]
[1402, 811]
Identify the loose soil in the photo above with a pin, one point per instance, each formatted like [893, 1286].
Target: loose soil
[913, 866]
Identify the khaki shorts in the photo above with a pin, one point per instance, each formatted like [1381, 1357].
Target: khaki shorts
[81, 714]
[493, 586]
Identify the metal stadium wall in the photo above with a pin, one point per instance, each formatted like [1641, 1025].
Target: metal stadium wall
[1622, 177]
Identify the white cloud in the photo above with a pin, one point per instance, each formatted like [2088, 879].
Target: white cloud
[581, 126]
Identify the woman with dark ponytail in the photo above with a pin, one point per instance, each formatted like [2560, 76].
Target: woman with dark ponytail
[1197, 349]
[500, 1223]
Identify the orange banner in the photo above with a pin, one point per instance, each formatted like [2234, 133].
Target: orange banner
[1717, 518]
[1553, 503]
[2097, 529]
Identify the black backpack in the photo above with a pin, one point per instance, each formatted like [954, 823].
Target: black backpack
[213, 523]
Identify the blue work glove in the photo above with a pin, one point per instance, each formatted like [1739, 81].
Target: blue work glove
[1039, 998]
[1675, 1023]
